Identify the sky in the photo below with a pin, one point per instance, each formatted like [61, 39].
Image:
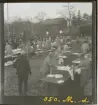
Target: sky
[13, 11]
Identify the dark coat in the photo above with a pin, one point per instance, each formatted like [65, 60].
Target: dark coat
[85, 73]
[22, 66]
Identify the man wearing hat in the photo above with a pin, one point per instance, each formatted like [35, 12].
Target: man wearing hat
[22, 70]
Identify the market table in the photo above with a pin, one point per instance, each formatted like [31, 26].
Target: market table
[76, 62]
[16, 52]
[62, 70]
[72, 84]
[53, 88]
[69, 59]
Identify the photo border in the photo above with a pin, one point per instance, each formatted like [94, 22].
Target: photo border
[35, 99]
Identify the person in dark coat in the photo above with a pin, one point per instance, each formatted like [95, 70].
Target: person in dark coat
[85, 76]
[22, 70]
[15, 45]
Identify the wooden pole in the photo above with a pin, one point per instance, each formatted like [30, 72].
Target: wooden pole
[69, 16]
[1, 52]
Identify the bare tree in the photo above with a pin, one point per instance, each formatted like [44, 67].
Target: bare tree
[67, 14]
[41, 16]
[86, 16]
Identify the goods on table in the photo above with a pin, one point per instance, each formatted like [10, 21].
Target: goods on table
[60, 81]
[41, 51]
[66, 68]
[16, 51]
[8, 63]
[71, 74]
[76, 61]
[14, 56]
[88, 56]
[55, 75]
[62, 57]
[66, 51]
[60, 60]
[76, 53]
[50, 75]
[78, 70]
[7, 56]
[58, 76]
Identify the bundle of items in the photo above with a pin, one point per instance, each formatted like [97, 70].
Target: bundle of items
[76, 61]
[9, 63]
[66, 68]
[55, 75]
[16, 51]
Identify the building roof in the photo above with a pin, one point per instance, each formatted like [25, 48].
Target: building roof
[86, 25]
[53, 21]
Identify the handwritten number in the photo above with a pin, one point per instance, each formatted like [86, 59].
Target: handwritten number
[46, 98]
[50, 99]
[55, 99]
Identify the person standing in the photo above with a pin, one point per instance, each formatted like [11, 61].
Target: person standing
[90, 43]
[22, 70]
[66, 47]
[47, 65]
[29, 49]
[14, 44]
[23, 47]
[43, 45]
[61, 41]
[49, 42]
[85, 47]
[58, 41]
[49, 62]
[46, 45]
[8, 49]
[85, 76]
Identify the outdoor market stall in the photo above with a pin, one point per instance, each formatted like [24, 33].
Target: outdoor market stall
[9, 59]
[57, 85]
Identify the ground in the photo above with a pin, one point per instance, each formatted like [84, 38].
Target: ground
[11, 77]
[10, 85]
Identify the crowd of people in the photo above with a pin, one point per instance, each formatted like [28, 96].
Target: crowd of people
[43, 44]
[57, 47]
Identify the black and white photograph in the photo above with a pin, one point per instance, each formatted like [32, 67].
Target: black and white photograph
[48, 49]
